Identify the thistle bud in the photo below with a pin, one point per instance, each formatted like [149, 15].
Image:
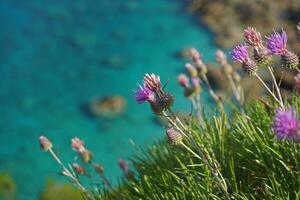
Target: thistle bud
[78, 169]
[174, 136]
[250, 67]
[99, 169]
[262, 57]
[191, 69]
[290, 60]
[123, 165]
[221, 57]
[183, 80]
[194, 54]
[86, 156]
[45, 143]
[196, 85]
[236, 77]
[77, 145]
[252, 37]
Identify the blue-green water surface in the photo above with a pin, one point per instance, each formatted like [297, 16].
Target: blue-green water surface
[56, 55]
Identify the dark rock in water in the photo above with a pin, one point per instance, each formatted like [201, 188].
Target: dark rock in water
[7, 186]
[108, 107]
[58, 191]
[116, 61]
[183, 53]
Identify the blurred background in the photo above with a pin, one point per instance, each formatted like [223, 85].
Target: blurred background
[69, 67]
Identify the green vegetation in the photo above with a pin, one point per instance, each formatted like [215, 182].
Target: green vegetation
[254, 163]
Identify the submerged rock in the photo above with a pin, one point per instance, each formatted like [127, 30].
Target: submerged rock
[57, 191]
[109, 106]
[7, 186]
[116, 61]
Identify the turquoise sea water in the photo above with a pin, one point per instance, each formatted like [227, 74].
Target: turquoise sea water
[57, 55]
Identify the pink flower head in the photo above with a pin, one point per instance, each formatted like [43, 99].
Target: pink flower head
[221, 57]
[183, 80]
[123, 165]
[196, 82]
[78, 145]
[144, 94]
[195, 54]
[252, 37]
[78, 169]
[286, 124]
[240, 53]
[152, 82]
[277, 43]
[45, 143]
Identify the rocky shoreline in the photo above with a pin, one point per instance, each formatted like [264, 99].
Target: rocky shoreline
[227, 19]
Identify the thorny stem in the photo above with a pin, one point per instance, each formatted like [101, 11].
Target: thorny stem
[171, 121]
[221, 181]
[216, 173]
[67, 173]
[275, 84]
[236, 93]
[197, 107]
[272, 94]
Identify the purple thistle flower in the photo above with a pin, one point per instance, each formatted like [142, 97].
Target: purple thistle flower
[276, 43]
[240, 53]
[144, 94]
[286, 125]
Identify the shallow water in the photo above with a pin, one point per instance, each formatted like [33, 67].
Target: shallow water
[57, 55]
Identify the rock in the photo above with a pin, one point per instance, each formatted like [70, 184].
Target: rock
[217, 80]
[109, 106]
[183, 53]
[7, 186]
[57, 191]
[228, 19]
[116, 61]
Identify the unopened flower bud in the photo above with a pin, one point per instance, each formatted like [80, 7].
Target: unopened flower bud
[152, 82]
[252, 37]
[86, 156]
[77, 145]
[183, 80]
[174, 136]
[123, 165]
[191, 69]
[78, 169]
[45, 143]
[221, 57]
[250, 67]
[99, 169]
[236, 77]
[290, 60]
[262, 57]
[194, 54]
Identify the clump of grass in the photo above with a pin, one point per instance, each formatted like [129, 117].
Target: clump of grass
[253, 162]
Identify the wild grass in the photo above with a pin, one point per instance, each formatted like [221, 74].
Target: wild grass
[254, 163]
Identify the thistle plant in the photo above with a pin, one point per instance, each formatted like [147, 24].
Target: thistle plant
[251, 154]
